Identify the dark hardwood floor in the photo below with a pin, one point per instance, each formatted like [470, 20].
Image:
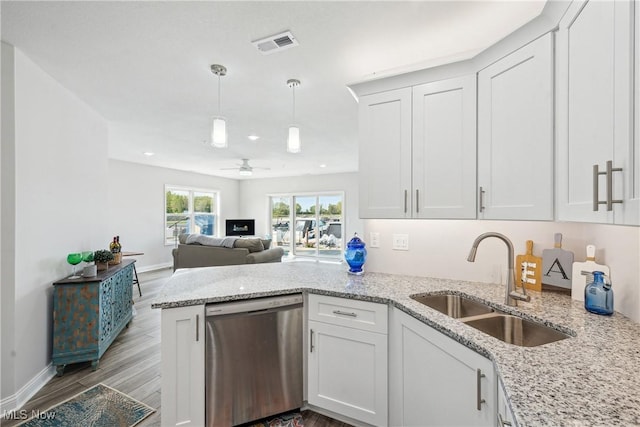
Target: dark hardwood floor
[130, 365]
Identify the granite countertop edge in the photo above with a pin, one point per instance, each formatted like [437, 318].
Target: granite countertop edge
[552, 384]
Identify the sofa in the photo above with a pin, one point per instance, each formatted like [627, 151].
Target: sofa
[198, 252]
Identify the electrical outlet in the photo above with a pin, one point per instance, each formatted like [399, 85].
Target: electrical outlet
[401, 242]
[374, 240]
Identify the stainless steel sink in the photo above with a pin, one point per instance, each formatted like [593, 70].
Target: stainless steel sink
[455, 306]
[515, 330]
[505, 327]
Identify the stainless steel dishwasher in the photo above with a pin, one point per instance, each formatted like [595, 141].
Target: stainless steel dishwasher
[253, 359]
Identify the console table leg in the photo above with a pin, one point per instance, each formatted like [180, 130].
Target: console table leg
[60, 370]
[94, 364]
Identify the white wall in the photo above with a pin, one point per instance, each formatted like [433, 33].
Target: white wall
[136, 207]
[60, 182]
[439, 248]
[254, 197]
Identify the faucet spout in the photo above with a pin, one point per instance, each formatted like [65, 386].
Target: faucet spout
[511, 295]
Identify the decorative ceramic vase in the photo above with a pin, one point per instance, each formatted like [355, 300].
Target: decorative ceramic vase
[90, 271]
[355, 255]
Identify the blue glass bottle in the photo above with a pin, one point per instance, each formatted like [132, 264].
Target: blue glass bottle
[598, 295]
[355, 255]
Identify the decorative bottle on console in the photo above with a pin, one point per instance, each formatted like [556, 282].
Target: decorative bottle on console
[598, 295]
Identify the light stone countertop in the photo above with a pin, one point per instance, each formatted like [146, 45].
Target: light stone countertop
[591, 379]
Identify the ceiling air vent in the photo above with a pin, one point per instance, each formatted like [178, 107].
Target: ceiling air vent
[275, 43]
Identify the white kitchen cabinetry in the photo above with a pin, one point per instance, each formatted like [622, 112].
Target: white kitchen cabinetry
[347, 358]
[183, 366]
[595, 106]
[515, 134]
[385, 154]
[435, 381]
[505, 416]
[417, 151]
[444, 149]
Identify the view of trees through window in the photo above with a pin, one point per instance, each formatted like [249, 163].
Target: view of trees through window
[312, 228]
[189, 211]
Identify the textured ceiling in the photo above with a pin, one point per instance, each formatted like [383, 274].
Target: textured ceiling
[145, 67]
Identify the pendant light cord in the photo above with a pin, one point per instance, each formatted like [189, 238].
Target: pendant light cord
[293, 113]
[219, 94]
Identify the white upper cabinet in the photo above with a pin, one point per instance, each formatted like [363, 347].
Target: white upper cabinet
[444, 149]
[595, 104]
[515, 134]
[417, 151]
[385, 154]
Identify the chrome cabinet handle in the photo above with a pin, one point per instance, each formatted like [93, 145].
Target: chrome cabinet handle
[596, 194]
[417, 201]
[610, 171]
[344, 313]
[405, 201]
[197, 327]
[502, 422]
[311, 341]
[480, 400]
[481, 209]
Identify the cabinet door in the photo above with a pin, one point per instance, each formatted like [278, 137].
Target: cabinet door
[436, 381]
[182, 348]
[628, 156]
[515, 134]
[385, 154]
[347, 372]
[505, 416]
[444, 149]
[594, 96]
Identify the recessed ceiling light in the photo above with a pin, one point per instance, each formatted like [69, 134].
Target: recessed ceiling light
[148, 153]
[323, 165]
[253, 137]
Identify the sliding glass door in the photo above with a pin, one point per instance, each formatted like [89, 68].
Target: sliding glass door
[308, 225]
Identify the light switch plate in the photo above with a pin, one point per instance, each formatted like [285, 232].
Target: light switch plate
[374, 240]
[401, 242]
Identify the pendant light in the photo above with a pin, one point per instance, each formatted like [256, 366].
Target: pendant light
[293, 141]
[219, 130]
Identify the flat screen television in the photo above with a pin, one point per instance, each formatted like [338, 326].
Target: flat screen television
[240, 227]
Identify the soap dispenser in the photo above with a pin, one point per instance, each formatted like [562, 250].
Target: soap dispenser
[598, 295]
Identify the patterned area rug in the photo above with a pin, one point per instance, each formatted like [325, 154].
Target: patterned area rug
[293, 419]
[99, 406]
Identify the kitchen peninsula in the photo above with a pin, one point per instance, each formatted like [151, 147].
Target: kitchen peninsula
[590, 378]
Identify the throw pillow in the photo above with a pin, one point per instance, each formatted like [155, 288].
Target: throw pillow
[254, 245]
[182, 238]
[266, 243]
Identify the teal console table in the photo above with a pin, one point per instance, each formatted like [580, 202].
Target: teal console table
[89, 313]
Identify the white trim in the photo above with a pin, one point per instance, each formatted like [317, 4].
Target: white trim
[154, 267]
[22, 396]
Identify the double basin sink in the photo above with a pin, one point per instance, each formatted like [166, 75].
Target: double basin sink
[503, 326]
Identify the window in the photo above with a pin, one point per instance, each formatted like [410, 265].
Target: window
[189, 211]
[314, 228]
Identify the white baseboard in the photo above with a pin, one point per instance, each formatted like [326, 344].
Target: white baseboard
[154, 267]
[26, 392]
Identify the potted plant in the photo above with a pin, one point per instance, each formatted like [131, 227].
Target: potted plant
[101, 258]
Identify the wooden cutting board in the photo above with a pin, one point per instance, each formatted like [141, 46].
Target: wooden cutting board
[557, 265]
[582, 273]
[529, 269]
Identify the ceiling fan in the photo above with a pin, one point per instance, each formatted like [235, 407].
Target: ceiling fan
[245, 168]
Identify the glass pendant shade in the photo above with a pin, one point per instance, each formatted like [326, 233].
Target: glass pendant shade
[219, 133]
[293, 142]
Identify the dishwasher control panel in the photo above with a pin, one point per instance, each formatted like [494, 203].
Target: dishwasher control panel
[250, 305]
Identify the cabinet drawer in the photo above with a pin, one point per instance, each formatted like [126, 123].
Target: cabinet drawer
[363, 315]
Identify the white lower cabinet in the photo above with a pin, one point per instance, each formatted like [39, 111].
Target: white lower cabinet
[347, 358]
[505, 416]
[183, 366]
[434, 380]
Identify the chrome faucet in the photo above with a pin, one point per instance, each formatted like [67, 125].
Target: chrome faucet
[512, 296]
